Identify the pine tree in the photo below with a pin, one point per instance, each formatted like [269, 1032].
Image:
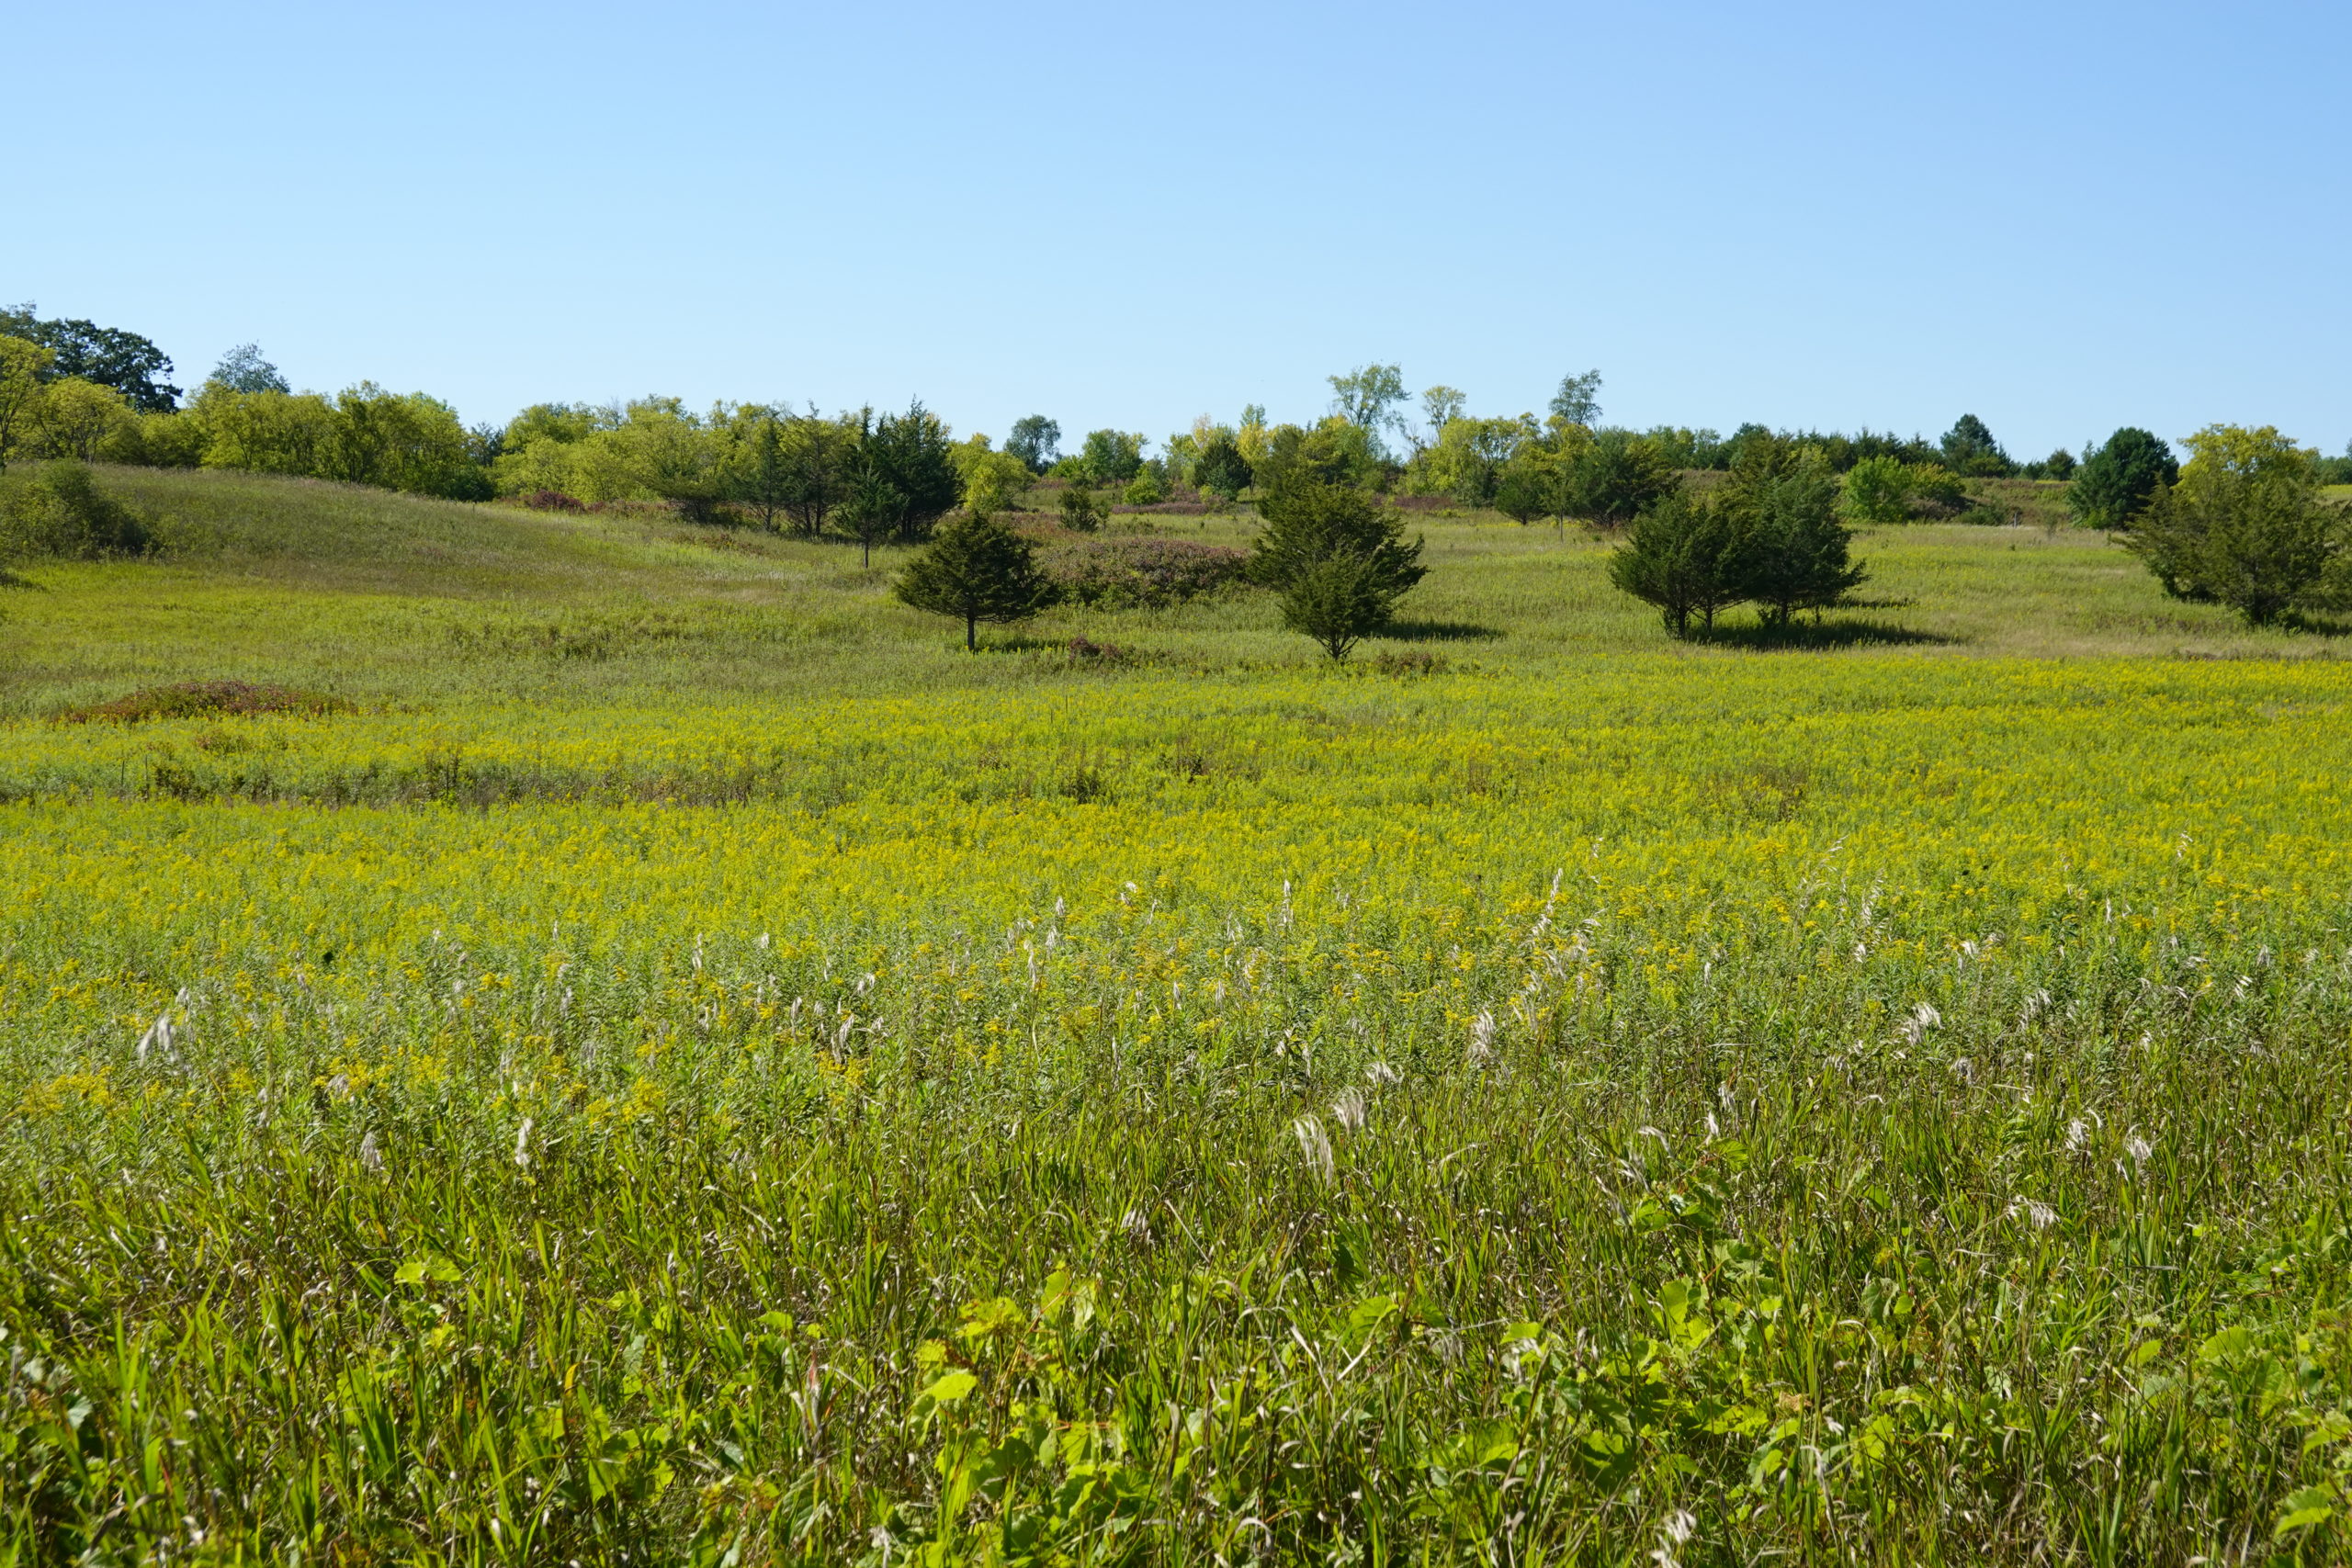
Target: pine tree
[2117, 479]
[1792, 551]
[1338, 600]
[1309, 520]
[977, 569]
[1681, 556]
[1338, 558]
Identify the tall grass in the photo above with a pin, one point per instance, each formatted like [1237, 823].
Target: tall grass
[1591, 1107]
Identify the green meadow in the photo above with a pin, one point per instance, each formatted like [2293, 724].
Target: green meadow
[669, 1059]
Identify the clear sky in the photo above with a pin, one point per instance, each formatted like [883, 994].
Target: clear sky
[2061, 216]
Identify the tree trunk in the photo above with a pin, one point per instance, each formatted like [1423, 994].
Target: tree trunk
[971, 634]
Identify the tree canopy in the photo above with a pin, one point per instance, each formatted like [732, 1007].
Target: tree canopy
[129, 363]
[1036, 441]
[2244, 525]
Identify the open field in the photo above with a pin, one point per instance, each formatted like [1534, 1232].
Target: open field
[699, 1069]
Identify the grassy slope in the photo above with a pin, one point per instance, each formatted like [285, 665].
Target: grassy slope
[388, 597]
[1911, 1126]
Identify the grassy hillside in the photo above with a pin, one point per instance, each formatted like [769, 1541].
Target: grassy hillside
[393, 598]
[698, 1068]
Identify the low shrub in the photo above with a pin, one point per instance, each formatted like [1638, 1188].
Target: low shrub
[1411, 661]
[1147, 573]
[208, 699]
[62, 513]
[553, 501]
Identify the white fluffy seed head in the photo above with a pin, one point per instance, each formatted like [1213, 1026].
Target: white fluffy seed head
[1315, 1146]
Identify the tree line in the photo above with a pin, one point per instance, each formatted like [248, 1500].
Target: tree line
[2244, 523]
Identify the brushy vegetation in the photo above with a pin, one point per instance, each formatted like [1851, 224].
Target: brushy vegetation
[1141, 571]
[206, 699]
[702, 1069]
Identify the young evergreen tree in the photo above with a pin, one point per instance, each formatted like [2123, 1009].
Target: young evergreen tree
[1969, 448]
[976, 568]
[1337, 601]
[911, 455]
[1791, 550]
[1309, 520]
[1082, 510]
[1682, 555]
[1616, 477]
[2116, 480]
[1338, 558]
[869, 507]
[1221, 469]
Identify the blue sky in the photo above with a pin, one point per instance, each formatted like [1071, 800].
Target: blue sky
[2060, 217]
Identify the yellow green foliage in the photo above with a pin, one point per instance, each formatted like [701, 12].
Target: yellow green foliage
[1582, 1101]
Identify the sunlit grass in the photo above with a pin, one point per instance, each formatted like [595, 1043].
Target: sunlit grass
[701, 1066]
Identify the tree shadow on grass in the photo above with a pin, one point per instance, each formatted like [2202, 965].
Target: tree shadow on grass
[1438, 631]
[1844, 632]
[2318, 625]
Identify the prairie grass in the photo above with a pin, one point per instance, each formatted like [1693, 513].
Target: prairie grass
[698, 1069]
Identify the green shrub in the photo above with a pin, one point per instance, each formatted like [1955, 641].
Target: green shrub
[1082, 510]
[1878, 491]
[1145, 489]
[1937, 491]
[62, 513]
[2244, 526]
[1142, 573]
[208, 699]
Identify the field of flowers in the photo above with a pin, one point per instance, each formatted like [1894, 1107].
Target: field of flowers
[695, 1068]
[1858, 1108]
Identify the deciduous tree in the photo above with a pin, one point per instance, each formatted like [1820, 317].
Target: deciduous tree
[1367, 396]
[243, 370]
[1578, 398]
[129, 363]
[1036, 441]
[1878, 491]
[2244, 525]
[22, 363]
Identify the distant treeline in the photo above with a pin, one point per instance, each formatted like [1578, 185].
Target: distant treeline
[69, 389]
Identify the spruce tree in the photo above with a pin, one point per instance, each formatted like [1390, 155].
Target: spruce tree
[977, 569]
